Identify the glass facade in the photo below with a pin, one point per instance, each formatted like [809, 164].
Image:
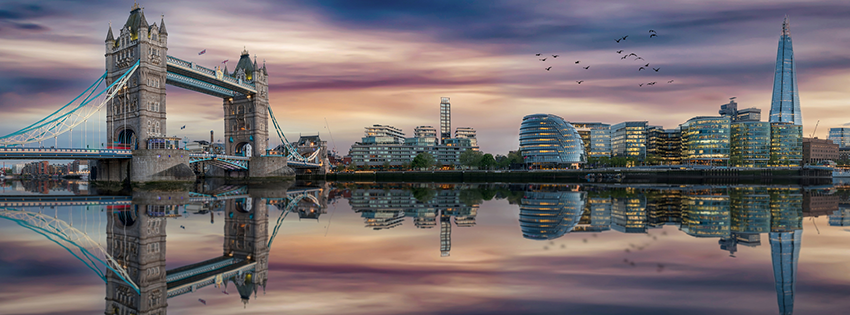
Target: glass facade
[665, 145]
[706, 216]
[550, 215]
[750, 144]
[785, 105]
[786, 144]
[628, 215]
[549, 141]
[629, 139]
[596, 138]
[841, 136]
[705, 140]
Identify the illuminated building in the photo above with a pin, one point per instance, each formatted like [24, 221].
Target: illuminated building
[705, 140]
[467, 133]
[750, 210]
[549, 141]
[445, 119]
[841, 136]
[628, 215]
[706, 216]
[786, 144]
[786, 209]
[664, 144]
[785, 105]
[629, 139]
[597, 216]
[750, 144]
[596, 138]
[663, 207]
[545, 215]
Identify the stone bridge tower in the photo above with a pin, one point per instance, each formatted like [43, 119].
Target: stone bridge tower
[246, 117]
[138, 112]
[136, 239]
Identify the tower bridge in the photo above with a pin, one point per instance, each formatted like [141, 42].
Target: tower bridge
[132, 92]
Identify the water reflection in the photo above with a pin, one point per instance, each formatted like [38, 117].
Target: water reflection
[251, 219]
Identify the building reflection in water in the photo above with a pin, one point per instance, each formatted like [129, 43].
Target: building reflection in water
[385, 207]
[547, 212]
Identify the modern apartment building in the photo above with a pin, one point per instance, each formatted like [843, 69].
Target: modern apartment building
[466, 133]
[445, 119]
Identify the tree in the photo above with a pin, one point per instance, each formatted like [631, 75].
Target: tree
[386, 165]
[423, 160]
[487, 161]
[471, 157]
[502, 162]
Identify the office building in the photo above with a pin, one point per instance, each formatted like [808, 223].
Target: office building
[819, 150]
[665, 145]
[785, 104]
[841, 136]
[547, 141]
[731, 111]
[840, 217]
[786, 144]
[596, 138]
[705, 140]
[628, 139]
[445, 119]
[466, 133]
[750, 144]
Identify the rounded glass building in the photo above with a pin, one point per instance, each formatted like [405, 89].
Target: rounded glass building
[546, 215]
[549, 141]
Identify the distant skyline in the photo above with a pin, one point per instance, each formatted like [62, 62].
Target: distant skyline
[360, 63]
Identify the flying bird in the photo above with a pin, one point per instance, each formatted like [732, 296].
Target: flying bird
[537, 55]
[671, 81]
[651, 83]
[656, 69]
[585, 68]
[579, 82]
[653, 35]
[182, 227]
[646, 65]
[639, 58]
[618, 39]
[544, 59]
[555, 56]
[184, 127]
[633, 54]
[577, 61]
[547, 69]
[619, 51]
[640, 85]
[641, 68]
[652, 31]
[624, 57]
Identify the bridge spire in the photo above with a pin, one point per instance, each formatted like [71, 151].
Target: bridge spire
[162, 30]
[109, 36]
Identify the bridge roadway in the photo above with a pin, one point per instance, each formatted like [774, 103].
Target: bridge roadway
[22, 153]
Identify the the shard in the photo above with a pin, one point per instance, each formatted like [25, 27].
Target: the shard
[785, 105]
[785, 251]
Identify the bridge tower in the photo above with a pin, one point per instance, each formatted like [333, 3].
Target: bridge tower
[246, 236]
[246, 117]
[137, 241]
[138, 112]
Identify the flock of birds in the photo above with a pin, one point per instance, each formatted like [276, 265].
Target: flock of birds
[632, 247]
[652, 33]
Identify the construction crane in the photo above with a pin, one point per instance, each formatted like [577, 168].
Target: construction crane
[816, 129]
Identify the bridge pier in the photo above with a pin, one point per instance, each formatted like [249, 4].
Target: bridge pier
[161, 165]
[110, 171]
[270, 167]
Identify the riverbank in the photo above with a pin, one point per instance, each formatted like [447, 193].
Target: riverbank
[620, 175]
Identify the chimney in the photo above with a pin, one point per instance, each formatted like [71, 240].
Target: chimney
[211, 138]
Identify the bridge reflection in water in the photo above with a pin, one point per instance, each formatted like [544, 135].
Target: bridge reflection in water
[134, 254]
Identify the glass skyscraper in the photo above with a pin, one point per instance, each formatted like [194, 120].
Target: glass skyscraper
[785, 105]
[841, 136]
[750, 145]
[705, 140]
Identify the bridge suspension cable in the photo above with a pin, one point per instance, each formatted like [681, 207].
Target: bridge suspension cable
[291, 152]
[72, 114]
[76, 242]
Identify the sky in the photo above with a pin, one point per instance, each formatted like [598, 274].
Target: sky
[348, 64]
